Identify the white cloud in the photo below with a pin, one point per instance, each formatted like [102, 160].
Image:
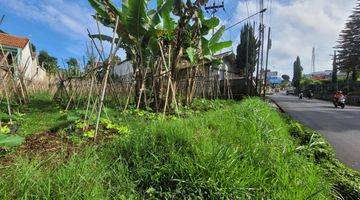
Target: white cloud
[68, 18]
[299, 25]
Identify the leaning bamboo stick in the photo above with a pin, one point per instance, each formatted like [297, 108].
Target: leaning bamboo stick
[101, 103]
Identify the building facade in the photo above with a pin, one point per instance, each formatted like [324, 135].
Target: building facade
[19, 54]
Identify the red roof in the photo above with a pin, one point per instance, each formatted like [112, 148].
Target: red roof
[13, 41]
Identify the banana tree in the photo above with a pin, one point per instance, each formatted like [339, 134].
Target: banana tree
[174, 29]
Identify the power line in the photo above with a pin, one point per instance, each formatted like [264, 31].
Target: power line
[239, 22]
[214, 8]
[2, 19]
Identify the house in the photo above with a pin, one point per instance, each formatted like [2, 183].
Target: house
[272, 77]
[320, 75]
[227, 69]
[20, 54]
[123, 70]
[274, 80]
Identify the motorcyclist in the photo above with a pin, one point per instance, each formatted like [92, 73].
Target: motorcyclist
[301, 94]
[337, 96]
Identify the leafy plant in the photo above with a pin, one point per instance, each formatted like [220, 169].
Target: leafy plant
[10, 140]
[89, 133]
[5, 130]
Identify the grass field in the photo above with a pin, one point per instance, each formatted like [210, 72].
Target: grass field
[232, 150]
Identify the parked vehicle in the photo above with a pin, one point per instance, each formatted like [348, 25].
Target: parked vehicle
[290, 91]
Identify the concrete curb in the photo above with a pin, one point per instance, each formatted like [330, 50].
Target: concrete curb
[279, 107]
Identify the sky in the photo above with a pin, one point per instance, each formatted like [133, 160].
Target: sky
[59, 27]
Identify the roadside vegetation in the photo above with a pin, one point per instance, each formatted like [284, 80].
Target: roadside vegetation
[221, 149]
[152, 134]
[345, 181]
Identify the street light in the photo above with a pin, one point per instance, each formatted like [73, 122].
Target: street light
[237, 23]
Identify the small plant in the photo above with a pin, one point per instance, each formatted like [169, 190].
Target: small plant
[81, 124]
[5, 130]
[123, 130]
[89, 133]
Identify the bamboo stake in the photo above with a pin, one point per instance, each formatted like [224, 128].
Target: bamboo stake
[7, 99]
[106, 79]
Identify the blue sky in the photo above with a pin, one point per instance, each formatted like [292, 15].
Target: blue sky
[59, 26]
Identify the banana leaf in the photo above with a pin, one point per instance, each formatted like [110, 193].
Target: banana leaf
[10, 140]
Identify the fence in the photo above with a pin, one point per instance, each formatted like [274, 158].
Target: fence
[325, 91]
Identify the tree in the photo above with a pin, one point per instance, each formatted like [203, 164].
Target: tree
[33, 47]
[247, 50]
[158, 40]
[297, 73]
[73, 66]
[48, 62]
[348, 47]
[285, 77]
[246, 56]
[334, 70]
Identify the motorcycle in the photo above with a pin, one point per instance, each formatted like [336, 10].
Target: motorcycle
[310, 95]
[340, 102]
[301, 95]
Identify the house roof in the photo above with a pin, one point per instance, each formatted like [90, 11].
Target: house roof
[222, 55]
[13, 41]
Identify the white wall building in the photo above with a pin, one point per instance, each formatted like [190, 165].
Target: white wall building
[123, 70]
[21, 56]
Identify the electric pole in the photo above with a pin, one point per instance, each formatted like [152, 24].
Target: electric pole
[261, 49]
[313, 60]
[267, 60]
[214, 8]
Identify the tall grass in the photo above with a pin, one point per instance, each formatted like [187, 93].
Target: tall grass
[242, 151]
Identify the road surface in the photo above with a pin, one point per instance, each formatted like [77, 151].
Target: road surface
[341, 127]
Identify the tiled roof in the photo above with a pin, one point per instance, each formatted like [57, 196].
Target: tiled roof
[13, 41]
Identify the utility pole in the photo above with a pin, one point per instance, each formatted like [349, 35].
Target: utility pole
[261, 49]
[262, 29]
[214, 8]
[313, 60]
[267, 60]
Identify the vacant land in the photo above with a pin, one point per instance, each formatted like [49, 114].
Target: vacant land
[217, 149]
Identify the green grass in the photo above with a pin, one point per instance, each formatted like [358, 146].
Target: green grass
[42, 114]
[345, 181]
[237, 151]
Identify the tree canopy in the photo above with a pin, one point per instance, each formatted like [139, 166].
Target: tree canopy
[285, 77]
[73, 66]
[166, 36]
[246, 56]
[297, 73]
[334, 70]
[48, 62]
[348, 48]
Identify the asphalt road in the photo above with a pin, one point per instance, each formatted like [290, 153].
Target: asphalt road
[341, 127]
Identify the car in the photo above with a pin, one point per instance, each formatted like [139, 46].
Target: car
[290, 91]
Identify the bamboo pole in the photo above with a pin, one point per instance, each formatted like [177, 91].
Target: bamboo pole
[101, 103]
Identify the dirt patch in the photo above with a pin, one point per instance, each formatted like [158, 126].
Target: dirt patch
[44, 143]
